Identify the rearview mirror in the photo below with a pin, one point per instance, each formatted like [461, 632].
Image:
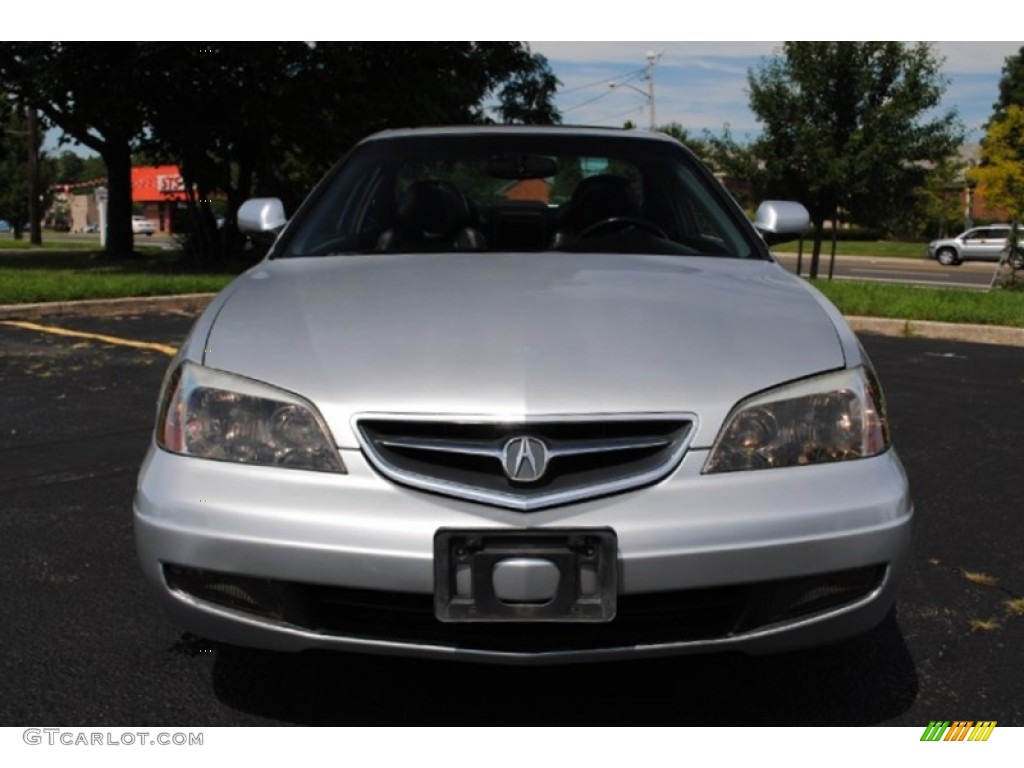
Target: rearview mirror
[519, 167]
[781, 220]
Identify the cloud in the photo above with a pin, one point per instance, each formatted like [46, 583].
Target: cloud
[635, 52]
[704, 84]
[976, 57]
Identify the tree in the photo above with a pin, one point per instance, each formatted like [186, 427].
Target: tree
[526, 98]
[1001, 172]
[95, 93]
[276, 116]
[245, 118]
[699, 147]
[21, 201]
[13, 176]
[1011, 85]
[844, 127]
[937, 207]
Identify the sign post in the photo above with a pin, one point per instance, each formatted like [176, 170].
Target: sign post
[101, 203]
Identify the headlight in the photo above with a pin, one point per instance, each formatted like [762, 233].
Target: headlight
[835, 417]
[216, 415]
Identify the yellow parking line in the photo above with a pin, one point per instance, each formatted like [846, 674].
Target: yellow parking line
[166, 349]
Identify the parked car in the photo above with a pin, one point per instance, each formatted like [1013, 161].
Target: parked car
[978, 244]
[142, 226]
[522, 395]
[4, 226]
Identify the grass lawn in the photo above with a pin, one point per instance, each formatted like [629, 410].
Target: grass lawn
[908, 302]
[881, 248]
[10, 244]
[63, 275]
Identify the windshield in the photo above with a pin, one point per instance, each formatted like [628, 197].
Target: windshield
[526, 192]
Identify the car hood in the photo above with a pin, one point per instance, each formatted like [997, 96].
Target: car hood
[522, 334]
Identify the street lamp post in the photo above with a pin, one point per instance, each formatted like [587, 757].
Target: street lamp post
[652, 59]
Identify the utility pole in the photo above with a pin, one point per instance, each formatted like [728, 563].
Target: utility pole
[652, 59]
[35, 231]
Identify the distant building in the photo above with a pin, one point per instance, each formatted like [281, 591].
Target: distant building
[157, 190]
[84, 213]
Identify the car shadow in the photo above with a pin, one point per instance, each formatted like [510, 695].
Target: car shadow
[864, 681]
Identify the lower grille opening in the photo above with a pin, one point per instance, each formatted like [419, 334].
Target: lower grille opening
[662, 617]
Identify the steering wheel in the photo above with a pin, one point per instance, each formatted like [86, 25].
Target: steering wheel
[615, 223]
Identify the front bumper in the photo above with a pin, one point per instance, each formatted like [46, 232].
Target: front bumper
[690, 538]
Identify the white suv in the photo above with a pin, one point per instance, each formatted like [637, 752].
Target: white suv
[142, 226]
[977, 244]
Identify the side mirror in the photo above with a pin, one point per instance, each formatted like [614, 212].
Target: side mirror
[781, 220]
[262, 217]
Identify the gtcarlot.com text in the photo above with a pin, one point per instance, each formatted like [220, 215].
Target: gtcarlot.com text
[70, 738]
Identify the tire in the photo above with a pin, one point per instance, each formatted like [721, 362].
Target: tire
[947, 257]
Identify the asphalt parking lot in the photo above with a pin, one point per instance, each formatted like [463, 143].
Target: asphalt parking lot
[83, 643]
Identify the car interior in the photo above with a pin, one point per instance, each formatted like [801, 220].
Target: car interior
[512, 202]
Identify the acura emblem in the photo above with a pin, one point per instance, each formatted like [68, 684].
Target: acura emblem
[524, 459]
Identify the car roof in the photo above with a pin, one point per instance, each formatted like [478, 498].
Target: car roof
[521, 130]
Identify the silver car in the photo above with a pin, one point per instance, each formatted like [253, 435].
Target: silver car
[522, 395]
[977, 244]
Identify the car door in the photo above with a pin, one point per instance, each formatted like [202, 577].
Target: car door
[985, 244]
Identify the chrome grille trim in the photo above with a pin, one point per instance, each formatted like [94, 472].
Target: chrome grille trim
[394, 454]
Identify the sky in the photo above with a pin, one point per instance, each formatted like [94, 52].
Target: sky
[703, 85]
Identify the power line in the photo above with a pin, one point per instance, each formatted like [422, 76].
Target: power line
[588, 101]
[631, 75]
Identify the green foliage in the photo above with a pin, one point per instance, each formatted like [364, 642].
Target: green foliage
[844, 127]
[740, 164]
[277, 116]
[699, 146]
[1011, 85]
[95, 93]
[13, 174]
[1001, 173]
[260, 118]
[933, 209]
[527, 97]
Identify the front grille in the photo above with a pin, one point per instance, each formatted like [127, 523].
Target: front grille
[526, 465]
[691, 615]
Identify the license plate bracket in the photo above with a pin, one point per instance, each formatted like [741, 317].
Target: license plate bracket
[585, 561]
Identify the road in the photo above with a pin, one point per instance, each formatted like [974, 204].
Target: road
[84, 642]
[92, 238]
[892, 270]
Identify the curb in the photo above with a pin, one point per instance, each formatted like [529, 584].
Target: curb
[927, 329]
[194, 302]
[186, 302]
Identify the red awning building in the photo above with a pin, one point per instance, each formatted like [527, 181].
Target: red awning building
[156, 192]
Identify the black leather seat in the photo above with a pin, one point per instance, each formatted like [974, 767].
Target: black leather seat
[432, 216]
